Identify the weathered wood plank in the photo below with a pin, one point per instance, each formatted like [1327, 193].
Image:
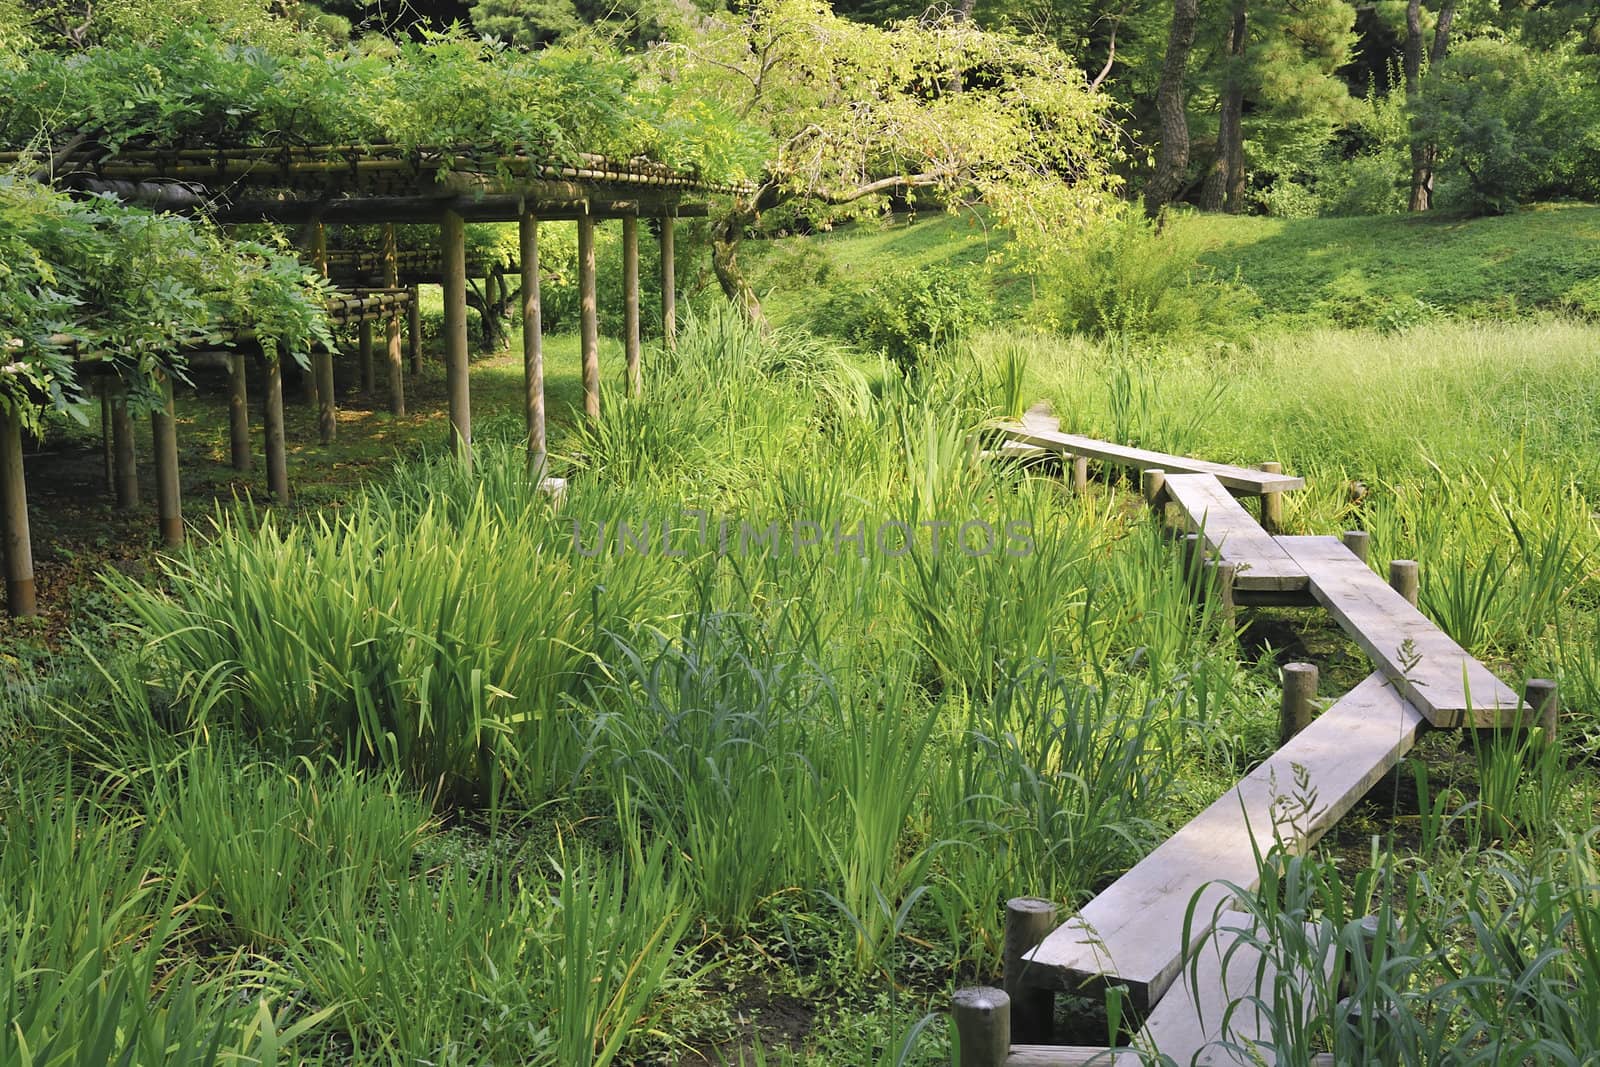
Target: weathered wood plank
[1036, 431]
[1187, 1024]
[1132, 933]
[1228, 530]
[1436, 674]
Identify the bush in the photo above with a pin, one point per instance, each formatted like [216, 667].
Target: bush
[909, 317]
[1135, 282]
[1289, 200]
[1364, 185]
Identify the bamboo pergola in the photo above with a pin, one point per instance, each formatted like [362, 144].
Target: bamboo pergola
[387, 185]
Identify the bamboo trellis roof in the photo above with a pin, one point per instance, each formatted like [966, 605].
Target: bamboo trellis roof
[376, 182]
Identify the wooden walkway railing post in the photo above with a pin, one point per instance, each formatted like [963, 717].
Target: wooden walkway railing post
[983, 1026]
[1298, 706]
[1271, 503]
[1403, 579]
[1029, 921]
[1359, 542]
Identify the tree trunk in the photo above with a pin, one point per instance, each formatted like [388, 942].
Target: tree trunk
[1420, 193]
[1224, 185]
[1172, 154]
[726, 233]
[1425, 154]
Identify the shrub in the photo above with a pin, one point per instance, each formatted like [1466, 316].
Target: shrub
[1363, 185]
[912, 316]
[1289, 200]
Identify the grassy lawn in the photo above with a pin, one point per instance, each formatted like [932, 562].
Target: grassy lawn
[423, 769]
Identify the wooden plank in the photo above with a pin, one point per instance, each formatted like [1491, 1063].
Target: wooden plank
[1436, 674]
[1228, 969]
[1092, 1056]
[1237, 479]
[1229, 531]
[1132, 932]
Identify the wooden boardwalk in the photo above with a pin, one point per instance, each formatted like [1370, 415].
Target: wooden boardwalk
[1132, 933]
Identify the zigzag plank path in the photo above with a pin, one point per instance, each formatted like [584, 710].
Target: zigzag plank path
[1132, 933]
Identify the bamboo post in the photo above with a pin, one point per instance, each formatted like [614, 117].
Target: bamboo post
[391, 326]
[1359, 542]
[1545, 701]
[1271, 503]
[1298, 706]
[272, 428]
[532, 343]
[1404, 579]
[452, 236]
[369, 364]
[414, 329]
[322, 358]
[630, 300]
[1029, 921]
[1080, 474]
[20, 596]
[239, 413]
[1153, 482]
[669, 284]
[124, 452]
[589, 317]
[164, 440]
[983, 1026]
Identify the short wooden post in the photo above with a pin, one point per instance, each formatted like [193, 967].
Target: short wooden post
[1359, 542]
[272, 428]
[393, 358]
[1542, 697]
[369, 364]
[239, 453]
[1298, 706]
[169, 496]
[124, 452]
[1222, 578]
[1029, 921]
[322, 358]
[1271, 503]
[452, 236]
[588, 315]
[1193, 560]
[18, 543]
[983, 1026]
[630, 300]
[414, 329]
[532, 343]
[1403, 579]
[1153, 482]
[669, 284]
[1367, 935]
[1080, 474]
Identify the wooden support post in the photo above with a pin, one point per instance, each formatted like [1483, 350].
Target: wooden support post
[532, 344]
[1298, 706]
[1542, 697]
[983, 1026]
[1358, 542]
[414, 329]
[1367, 934]
[1403, 579]
[1222, 577]
[124, 451]
[164, 438]
[1271, 503]
[239, 413]
[391, 326]
[1194, 555]
[1029, 921]
[322, 358]
[369, 363]
[452, 236]
[588, 315]
[1080, 474]
[669, 285]
[272, 428]
[630, 300]
[18, 543]
[1154, 484]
